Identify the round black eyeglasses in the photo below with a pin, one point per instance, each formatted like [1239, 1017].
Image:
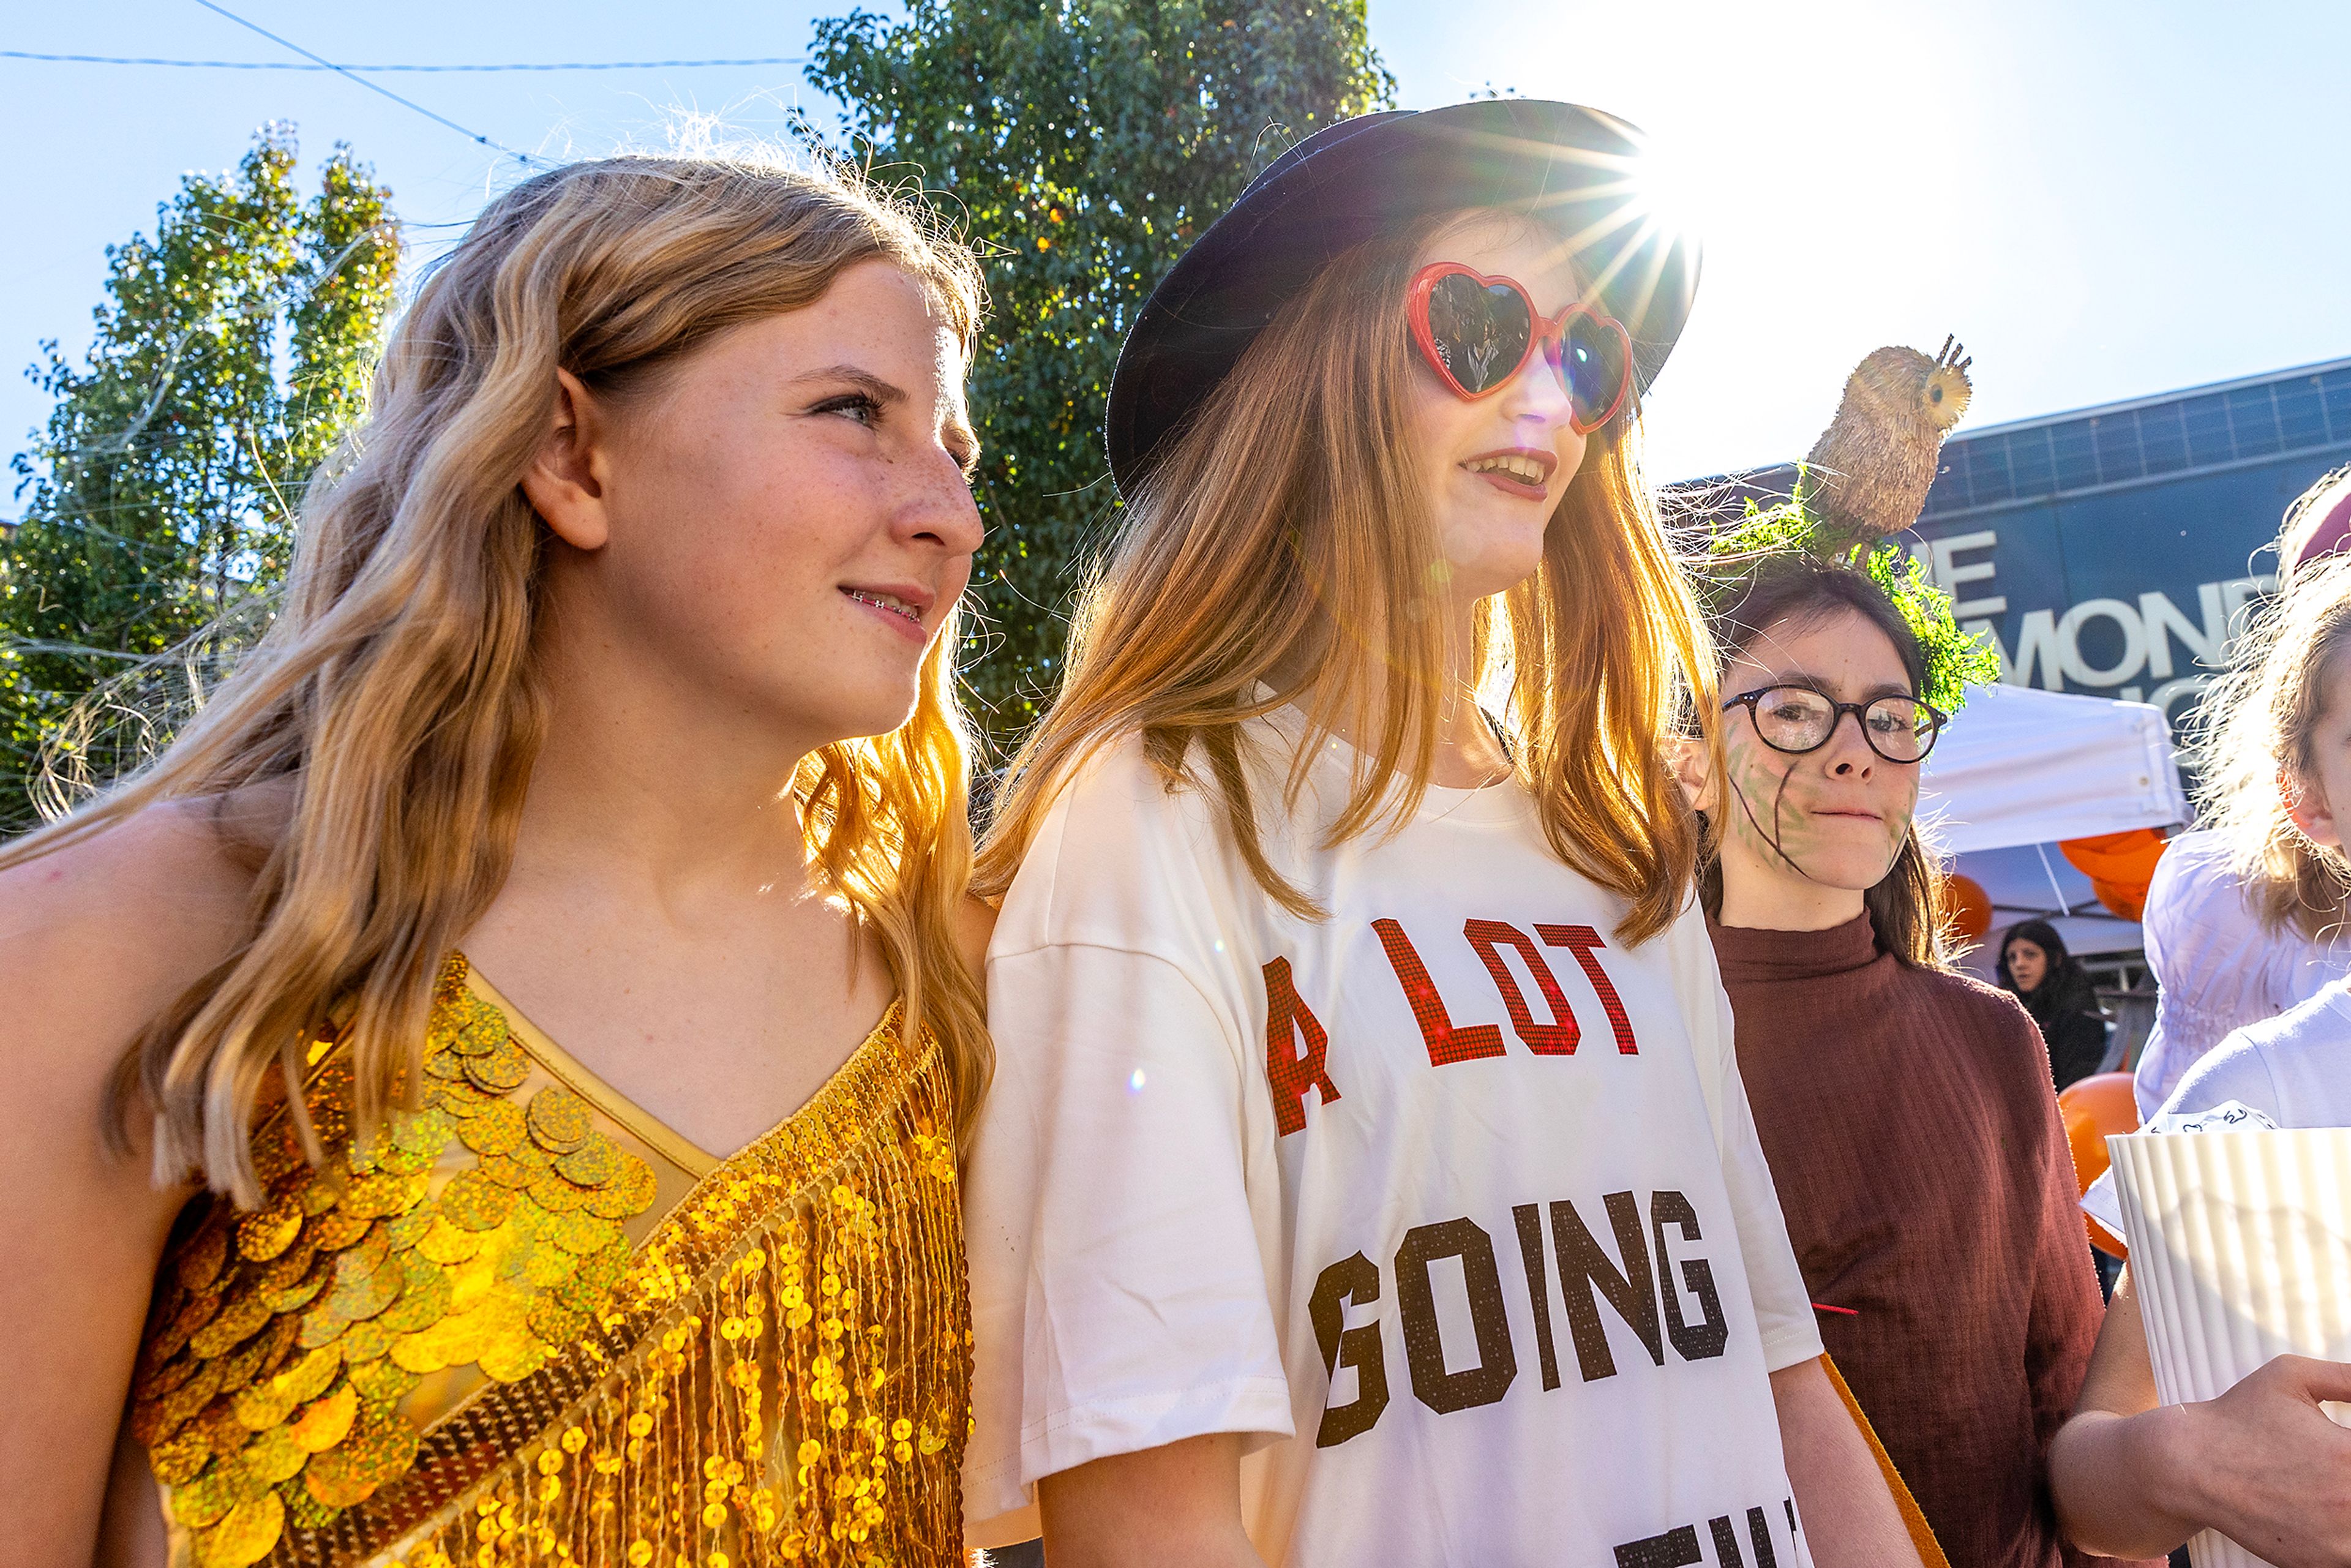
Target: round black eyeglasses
[1797, 719]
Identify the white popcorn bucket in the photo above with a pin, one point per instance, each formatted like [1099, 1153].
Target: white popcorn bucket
[2240, 1251]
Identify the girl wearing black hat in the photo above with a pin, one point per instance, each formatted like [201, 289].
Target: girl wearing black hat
[1367, 1175]
[2056, 990]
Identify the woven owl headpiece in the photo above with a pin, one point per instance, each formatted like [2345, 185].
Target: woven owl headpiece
[1868, 478]
[1950, 659]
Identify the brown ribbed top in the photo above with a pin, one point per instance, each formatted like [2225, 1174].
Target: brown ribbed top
[1929, 1190]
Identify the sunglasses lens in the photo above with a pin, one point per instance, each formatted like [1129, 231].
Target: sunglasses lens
[1593, 367]
[1479, 330]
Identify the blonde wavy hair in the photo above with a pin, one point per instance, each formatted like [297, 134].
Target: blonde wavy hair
[1284, 540]
[2255, 748]
[395, 699]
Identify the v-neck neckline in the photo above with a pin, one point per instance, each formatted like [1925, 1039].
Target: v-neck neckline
[656, 1133]
[576, 1076]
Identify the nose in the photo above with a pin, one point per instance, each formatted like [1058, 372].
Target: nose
[1849, 755]
[1536, 397]
[938, 510]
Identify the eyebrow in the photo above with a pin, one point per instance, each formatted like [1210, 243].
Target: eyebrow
[865, 381]
[1806, 678]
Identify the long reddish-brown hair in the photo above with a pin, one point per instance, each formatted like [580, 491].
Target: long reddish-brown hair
[1282, 552]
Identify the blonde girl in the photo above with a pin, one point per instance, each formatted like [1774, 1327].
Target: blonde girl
[2263, 1464]
[2245, 918]
[1368, 1178]
[611, 704]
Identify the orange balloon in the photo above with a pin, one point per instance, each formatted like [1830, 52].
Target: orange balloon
[1967, 906]
[2094, 1108]
[2116, 857]
[2119, 867]
[2127, 901]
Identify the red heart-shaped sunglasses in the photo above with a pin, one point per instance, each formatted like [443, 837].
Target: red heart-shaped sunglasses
[1477, 332]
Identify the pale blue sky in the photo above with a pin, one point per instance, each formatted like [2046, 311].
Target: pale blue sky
[2103, 199]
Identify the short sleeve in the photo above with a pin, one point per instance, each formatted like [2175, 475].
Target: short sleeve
[2238, 1069]
[1119, 1296]
[1783, 1307]
[2159, 933]
[2215, 965]
[1120, 1299]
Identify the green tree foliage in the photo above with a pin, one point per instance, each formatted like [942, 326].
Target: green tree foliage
[1082, 144]
[231, 354]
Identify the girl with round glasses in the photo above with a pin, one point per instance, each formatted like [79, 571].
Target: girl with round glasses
[1367, 1176]
[1906, 1110]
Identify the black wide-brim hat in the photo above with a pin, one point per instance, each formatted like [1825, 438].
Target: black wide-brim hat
[1576, 169]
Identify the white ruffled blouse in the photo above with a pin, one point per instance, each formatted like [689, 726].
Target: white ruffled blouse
[2219, 970]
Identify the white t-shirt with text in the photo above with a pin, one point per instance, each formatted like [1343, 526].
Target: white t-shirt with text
[1450, 1203]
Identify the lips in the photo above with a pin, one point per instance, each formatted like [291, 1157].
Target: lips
[899, 605]
[1522, 471]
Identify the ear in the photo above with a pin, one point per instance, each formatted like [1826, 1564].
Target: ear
[2310, 811]
[1693, 766]
[566, 480]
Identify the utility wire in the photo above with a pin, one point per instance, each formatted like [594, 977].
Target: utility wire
[300, 66]
[371, 87]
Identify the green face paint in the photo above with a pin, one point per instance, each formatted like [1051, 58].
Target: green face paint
[1772, 809]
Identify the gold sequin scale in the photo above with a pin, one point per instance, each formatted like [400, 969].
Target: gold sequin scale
[779, 1373]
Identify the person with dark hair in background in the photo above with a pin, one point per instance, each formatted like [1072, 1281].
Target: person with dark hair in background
[2056, 990]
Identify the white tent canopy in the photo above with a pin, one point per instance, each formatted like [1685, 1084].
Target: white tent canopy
[2021, 765]
[2019, 769]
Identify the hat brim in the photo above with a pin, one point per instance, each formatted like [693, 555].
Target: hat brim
[1576, 168]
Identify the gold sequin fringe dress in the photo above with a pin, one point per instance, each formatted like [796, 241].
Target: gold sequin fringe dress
[530, 1325]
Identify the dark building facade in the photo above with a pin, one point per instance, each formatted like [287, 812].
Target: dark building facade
[2109, 551]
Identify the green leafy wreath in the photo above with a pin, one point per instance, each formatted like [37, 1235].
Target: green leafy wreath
[1953, 659]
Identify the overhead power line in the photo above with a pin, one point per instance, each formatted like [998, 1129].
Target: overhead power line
[373, 87]
[306, 65]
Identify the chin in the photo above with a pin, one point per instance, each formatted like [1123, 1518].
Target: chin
[1491, 556]
[1489, 571]
[865, 720]
[848, 705]
[1856, 874]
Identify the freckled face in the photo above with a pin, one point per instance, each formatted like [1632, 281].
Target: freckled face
[790, 519]
[1834, 817]
[1489, 520]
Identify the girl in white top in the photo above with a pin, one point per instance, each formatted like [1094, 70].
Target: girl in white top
[2225, 953]
[2295, 1068]
[2243, 920]
[2261, 1464]
[1367, 1175]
